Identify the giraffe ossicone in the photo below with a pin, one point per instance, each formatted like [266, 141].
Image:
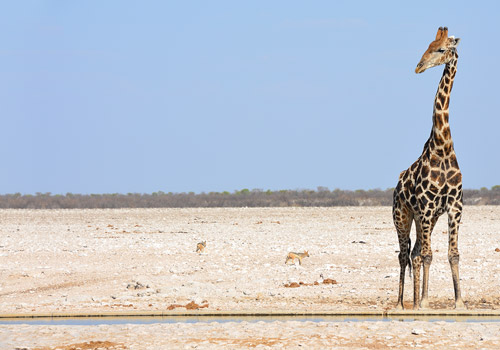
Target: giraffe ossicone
[432, 185]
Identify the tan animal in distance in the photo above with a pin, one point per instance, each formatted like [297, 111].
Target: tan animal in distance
[201, 246]
[292, 256]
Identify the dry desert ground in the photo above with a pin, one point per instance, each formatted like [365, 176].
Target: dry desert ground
[134, 260]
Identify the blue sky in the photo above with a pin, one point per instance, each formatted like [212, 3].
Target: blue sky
[179, 96]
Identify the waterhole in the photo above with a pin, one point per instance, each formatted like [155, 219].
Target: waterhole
[113, 320]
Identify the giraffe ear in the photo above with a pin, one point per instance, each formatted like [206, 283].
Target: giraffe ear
[453, 42]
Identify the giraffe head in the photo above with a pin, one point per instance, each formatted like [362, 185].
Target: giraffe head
[440, 51]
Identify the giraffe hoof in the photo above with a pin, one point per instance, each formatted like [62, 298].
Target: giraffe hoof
[424, 305]
[459, 305]
[399, 307]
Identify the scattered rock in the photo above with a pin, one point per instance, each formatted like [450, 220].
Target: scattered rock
[173, 306]
[497, 250]
[137, 285]
[189, 306]
[329, 281]
[417, 331]
[193, 306]
[315, 283]
[199, 301]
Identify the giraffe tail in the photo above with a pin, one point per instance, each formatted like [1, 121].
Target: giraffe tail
[409, 256]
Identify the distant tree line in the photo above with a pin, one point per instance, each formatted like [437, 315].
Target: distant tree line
[322, 197]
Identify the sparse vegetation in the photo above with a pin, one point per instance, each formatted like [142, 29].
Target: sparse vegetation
[322, 197]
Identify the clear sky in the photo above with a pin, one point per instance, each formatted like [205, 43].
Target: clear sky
[179, 96]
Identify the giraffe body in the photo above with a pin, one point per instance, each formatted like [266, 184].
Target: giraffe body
[432, 185]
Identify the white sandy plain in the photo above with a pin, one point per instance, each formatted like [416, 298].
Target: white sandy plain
[91, 261]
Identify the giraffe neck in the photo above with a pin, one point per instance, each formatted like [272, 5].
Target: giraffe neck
[441, 134]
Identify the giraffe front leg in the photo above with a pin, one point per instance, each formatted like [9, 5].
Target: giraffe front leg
[424, 302]
[453, 255]
[417, 264]
[426, 228]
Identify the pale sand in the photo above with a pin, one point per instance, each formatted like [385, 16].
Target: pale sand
[91, 261]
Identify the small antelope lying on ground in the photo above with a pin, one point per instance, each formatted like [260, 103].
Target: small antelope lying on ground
[201, 246]
[292, 256]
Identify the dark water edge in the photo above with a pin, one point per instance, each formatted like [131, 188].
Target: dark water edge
[94, 321]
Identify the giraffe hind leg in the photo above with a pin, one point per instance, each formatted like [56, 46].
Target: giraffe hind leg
[403, 219]
[416, 258]
[454, 217]
[408, 254]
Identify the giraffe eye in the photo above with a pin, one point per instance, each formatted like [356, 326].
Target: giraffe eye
[440, 50]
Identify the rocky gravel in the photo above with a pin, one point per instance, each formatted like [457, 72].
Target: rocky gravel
[91, 261]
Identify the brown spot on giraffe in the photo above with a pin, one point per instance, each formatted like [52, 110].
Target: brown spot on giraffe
[438, 139]
[442, 98]
[448, 148]
[439, 121]
[434, 189]
[425, 171]
[455, 180]
[453, 161]
[435, 175]
[435, 161]
[446, 133]
[446, 164]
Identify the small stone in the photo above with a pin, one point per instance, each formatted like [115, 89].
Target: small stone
[417, 331]
[329, 281]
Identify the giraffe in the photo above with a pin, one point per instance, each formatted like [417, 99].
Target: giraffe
[432, 185]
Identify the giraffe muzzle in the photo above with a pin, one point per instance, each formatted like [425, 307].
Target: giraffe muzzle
[420, 68]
